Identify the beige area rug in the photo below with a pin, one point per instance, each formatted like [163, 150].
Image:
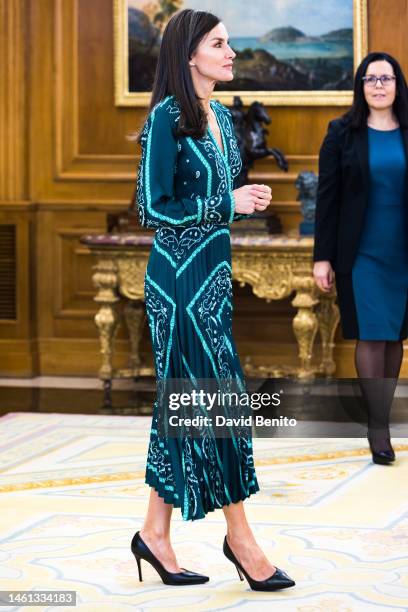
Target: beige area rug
[72, 494]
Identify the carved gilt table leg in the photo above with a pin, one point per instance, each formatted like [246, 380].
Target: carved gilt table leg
[131, 277]
[328, 316]
[106, 319]
[135, 317]
[305, 324]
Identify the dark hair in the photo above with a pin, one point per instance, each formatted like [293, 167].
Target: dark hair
[181, 38]
[358, 113]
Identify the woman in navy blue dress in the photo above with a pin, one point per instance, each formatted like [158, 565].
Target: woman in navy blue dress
[187, 193]
[362, 233]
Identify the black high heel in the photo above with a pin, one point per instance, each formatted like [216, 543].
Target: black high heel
[141, 551]
[381, 457]
[278, 580]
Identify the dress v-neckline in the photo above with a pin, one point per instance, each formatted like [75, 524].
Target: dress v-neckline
[222, 152]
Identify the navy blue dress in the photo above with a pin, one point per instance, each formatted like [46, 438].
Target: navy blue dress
[380, 271]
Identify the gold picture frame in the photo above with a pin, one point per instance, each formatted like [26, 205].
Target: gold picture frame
[123, 97]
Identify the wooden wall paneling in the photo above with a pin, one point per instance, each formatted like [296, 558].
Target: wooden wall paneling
[18, 349]
[19, 327]
[14, 34]
[59, 296]
[65, 86]
[75, 357]
[95, 43]
[387, 26]
[73, 291]
[41, 96]
[67, 161]
[60, 171]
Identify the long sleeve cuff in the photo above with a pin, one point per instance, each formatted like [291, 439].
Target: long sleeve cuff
[217, 209]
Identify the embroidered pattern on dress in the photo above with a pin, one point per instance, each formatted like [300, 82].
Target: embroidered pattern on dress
[158, 461]
[179, 243]
[202, 310]
[213, 152]
[161, 311]
[227, 126]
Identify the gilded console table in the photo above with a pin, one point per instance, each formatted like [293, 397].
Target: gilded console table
[274, 266]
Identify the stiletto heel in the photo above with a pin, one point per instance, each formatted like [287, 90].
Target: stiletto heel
[278, 580]
[139, 567]
[142, 551]
[381, 457]
[239, 572]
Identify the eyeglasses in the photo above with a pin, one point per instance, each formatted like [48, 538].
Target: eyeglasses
[371, 81]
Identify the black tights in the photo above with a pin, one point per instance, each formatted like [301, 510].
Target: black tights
[378, 365]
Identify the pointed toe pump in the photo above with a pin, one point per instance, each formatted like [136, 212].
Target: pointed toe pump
[278, 580]
[142, 551]
[381, 457]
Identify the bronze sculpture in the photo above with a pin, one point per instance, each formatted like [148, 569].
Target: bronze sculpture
[251, 137]
[306, 183]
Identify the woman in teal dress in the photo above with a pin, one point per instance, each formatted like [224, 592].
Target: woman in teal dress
[362, 234]
[190, 161]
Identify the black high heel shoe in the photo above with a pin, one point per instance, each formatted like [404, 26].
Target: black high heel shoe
[141, 551]
[278, 580]
[381, 457]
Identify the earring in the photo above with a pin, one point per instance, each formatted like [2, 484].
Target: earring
[190, 64]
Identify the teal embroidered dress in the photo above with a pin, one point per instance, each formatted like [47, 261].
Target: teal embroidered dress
[184, 192]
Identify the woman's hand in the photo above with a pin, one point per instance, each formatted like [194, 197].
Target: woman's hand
[323, 275]
[252, 197]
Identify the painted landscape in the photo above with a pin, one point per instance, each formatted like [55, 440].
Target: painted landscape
[284, 58]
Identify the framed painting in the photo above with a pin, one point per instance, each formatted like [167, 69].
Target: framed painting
[288, 52]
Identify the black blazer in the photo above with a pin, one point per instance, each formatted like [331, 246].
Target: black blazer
[342, 193]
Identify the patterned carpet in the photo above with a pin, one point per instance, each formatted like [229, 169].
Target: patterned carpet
[72, 494]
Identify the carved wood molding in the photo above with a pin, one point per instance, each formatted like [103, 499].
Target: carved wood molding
[70, 164]
[68, 257]
[13, 90]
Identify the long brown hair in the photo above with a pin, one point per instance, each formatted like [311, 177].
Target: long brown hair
[181, 38]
